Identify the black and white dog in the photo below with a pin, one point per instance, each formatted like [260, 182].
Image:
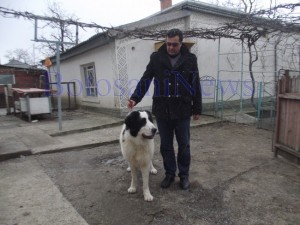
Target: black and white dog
[137, 146]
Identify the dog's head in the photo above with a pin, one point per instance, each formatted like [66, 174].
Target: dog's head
[140, 124]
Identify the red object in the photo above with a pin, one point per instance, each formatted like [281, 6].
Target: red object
[29, 90]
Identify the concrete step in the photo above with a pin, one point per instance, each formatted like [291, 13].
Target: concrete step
[81, 140]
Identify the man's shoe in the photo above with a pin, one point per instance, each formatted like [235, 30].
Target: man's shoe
[184, 183]
[167, 181]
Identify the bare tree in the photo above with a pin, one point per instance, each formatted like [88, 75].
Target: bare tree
[21, 55]
[60, 31]
[248, 5]
[278, 22]
[250, 38]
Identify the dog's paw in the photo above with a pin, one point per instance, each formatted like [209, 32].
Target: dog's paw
[153, 171]
[128, 169]
[132, 190]
[148, 197]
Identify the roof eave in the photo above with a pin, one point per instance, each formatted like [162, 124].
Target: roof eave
[210, 9]
[157, 19]
[94, 42]
[19, 68]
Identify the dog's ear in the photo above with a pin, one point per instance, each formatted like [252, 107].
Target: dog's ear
[129, 120]
[132, 122]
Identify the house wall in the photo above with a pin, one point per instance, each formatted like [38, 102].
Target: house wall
[213, 55]
[137, 57]
[71, 71]
[231, 51]
[228, 61]
[120, 64]
[288, 52]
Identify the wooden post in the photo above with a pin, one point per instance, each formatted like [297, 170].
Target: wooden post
[7, 100]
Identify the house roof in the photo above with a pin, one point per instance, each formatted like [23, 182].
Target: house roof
[199, 6]
[186, 8]
[95, 41]
[17, 64]
[177, 11]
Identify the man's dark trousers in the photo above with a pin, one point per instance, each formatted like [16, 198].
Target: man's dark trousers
[181, 128]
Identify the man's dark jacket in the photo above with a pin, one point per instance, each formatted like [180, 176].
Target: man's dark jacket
[177, 91]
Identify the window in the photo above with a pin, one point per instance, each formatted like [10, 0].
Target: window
[90, 81]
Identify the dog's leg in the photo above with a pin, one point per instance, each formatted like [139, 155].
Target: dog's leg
[152, 169]
[132, 188]
[145, 174]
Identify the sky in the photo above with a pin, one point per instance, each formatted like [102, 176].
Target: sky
[19, 33]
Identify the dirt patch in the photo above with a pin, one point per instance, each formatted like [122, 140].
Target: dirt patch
[235, 180]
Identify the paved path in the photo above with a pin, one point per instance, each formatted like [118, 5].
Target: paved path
[81, 129]
[28, 196]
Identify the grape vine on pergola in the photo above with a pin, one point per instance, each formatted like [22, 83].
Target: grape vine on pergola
[276, 21]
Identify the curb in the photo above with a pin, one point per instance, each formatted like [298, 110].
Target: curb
[13, 155]
[206, 124]
[62, 133]
[75, 148]
[29, 152]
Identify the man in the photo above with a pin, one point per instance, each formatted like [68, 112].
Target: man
[177, 97]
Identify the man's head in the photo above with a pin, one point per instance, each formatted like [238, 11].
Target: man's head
[174, 41]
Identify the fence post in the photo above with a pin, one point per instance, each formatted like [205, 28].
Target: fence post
[218, 76]
[259, 101]
[220, 104]
[242, 77]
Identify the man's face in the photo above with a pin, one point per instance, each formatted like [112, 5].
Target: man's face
[173, 45]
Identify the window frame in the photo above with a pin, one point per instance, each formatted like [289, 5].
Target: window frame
[90, 88]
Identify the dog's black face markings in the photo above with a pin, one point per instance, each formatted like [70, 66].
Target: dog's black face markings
[149, 116]
[134, 123]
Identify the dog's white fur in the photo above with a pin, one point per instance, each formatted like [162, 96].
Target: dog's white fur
[138, 151]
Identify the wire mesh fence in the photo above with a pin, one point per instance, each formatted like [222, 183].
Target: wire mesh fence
[230, 98]
[208, 89]
[266, 105]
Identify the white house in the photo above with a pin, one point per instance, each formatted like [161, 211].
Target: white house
[106, 69]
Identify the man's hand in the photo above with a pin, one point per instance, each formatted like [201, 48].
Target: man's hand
[196, 117]
[130, 104]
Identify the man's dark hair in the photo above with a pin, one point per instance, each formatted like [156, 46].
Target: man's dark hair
[175, 32]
